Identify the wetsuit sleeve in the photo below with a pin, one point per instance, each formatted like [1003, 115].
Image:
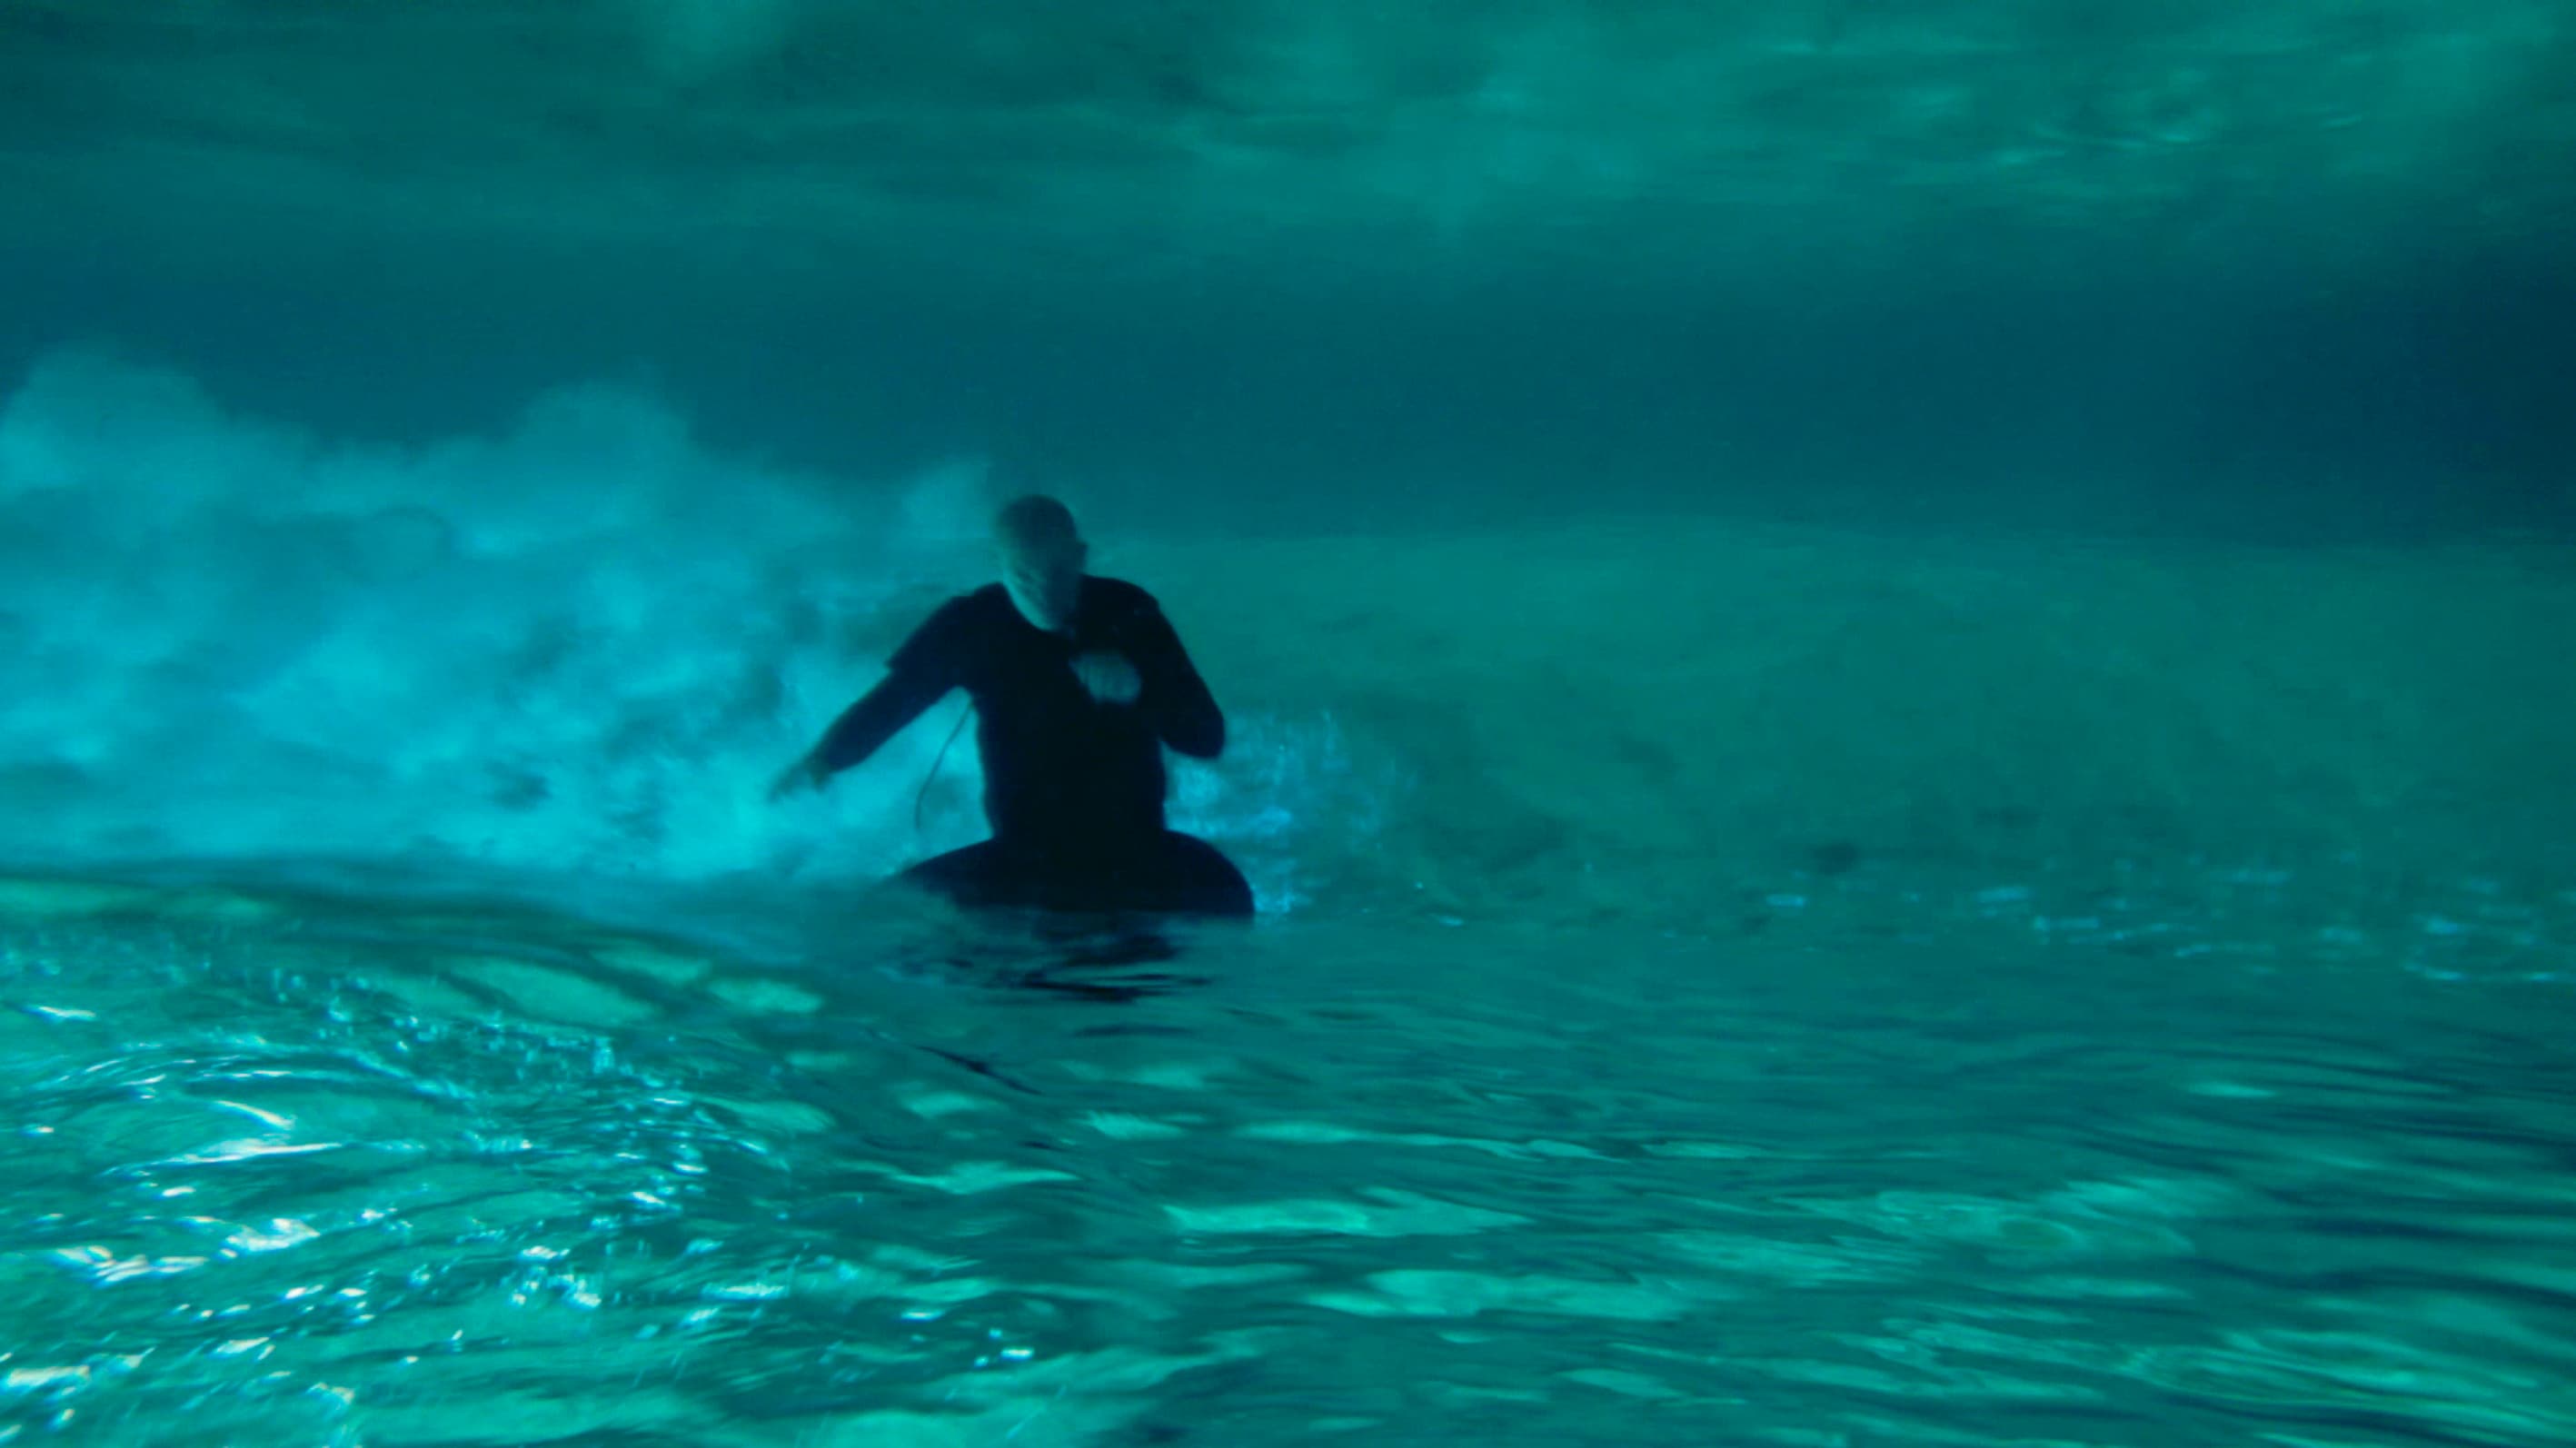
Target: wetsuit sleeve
[930, 663]
[1174, 697]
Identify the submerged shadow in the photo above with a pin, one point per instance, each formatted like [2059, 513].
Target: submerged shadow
[1103, 958]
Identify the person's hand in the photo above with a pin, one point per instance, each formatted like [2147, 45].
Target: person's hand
[796, 779]
[1109, 677]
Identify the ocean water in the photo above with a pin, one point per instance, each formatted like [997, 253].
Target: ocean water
[1898, 686]
[1739, 983]
[319, 1169]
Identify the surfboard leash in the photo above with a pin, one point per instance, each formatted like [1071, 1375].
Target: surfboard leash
[937, 760]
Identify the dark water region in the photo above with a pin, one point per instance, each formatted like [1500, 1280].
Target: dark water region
[2132, 403]
[2288, 271]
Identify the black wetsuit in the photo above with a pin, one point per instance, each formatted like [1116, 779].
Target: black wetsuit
[1073, 787]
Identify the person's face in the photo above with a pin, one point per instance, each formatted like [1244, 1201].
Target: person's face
[1045, 580]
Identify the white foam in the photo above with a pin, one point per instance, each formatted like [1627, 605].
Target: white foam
[584, 643]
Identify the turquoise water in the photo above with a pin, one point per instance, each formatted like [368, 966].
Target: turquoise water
[2175, 1166]
[1714, 982]
[1897, 681]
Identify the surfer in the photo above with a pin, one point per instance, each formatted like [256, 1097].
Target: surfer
[1078, 684]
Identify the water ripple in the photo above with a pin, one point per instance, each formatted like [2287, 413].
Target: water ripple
[306, 1172]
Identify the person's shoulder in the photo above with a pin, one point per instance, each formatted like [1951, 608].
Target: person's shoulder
[1119, 594]
[975, 606]
[956, 624]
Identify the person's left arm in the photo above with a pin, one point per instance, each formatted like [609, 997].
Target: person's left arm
[1175, 699]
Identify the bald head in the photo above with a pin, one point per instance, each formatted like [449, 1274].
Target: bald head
[1042, 556]
[1035, 520]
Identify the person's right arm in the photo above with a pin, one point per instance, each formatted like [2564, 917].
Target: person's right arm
[929, 664]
